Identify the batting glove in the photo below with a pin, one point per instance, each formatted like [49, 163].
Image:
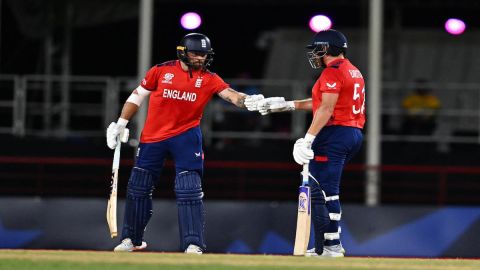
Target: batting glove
[275, 104]
[117, 129]
[302, 150]
[251, 102]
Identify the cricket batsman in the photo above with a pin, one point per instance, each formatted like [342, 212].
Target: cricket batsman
[179, 90]
[334, 136]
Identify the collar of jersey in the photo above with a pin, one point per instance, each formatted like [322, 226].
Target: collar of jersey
[336, 61]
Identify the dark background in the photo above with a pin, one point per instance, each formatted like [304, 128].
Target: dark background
[110, 48]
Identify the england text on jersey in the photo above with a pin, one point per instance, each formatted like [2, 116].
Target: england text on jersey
[180, 95]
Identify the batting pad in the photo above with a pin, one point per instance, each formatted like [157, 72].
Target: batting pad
[188, 189]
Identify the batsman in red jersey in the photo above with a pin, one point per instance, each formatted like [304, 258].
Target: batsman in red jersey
[334, 136]
[179, 90]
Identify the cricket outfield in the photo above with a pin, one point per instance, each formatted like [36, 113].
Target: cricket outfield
[60, 259]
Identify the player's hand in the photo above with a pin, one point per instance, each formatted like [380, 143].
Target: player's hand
[275, 104]
[251, 102]
[113, 131]
[302, 150]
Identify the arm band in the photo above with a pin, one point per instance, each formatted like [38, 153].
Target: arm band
[137, 98]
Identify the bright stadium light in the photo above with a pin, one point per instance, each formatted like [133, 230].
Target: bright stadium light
[190, 20]
[319, 23]
[455, 26]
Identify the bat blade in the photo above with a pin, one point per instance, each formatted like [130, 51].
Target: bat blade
[112, 201]
[112, 207]
[302, 235]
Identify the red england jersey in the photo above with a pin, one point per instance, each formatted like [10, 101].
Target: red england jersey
[341, 77]
[177, 101]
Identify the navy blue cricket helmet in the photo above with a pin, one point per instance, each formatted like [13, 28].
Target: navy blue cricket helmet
[197, 43]
[331, 42]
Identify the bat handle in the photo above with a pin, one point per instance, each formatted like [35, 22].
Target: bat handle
[116, 155]
[305, 175]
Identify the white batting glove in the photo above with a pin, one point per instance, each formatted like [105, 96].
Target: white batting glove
[302, 150]
[117, 129]
[251, 102]
[275, 104]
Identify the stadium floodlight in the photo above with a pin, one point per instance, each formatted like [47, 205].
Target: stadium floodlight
[320, 23]
[455, 26]
[191, 20]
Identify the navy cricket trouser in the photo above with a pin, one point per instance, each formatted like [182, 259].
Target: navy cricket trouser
[333, 147]
[186, 150]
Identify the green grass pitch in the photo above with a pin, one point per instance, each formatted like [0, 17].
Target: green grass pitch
[58, 259]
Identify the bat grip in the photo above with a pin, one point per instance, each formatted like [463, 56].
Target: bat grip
[116, 155]
[305, 175]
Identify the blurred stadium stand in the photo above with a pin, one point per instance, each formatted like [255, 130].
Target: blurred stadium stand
[57, 148]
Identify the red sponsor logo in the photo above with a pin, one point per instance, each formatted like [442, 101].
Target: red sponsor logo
[321, 158]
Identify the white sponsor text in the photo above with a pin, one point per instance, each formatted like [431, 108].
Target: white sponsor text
[180, 95]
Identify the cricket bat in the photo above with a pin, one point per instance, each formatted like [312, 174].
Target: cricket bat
[302, 235]
[112, 201]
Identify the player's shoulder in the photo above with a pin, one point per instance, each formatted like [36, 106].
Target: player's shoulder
[170, 63]
[342, 68]
[209, 72]
[330, 71]
[337, 64]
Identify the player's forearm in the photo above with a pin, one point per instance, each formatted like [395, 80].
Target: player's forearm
[239, 100]
[128, 110]
[320, 119]
[234, 97]
[304, 104]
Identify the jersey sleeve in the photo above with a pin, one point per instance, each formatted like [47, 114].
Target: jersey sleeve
[218, 84]
[330, 81]
[151, 79]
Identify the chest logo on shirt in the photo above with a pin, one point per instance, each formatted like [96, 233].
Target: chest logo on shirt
[167, 78]
[332, 86]
[198, 82]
